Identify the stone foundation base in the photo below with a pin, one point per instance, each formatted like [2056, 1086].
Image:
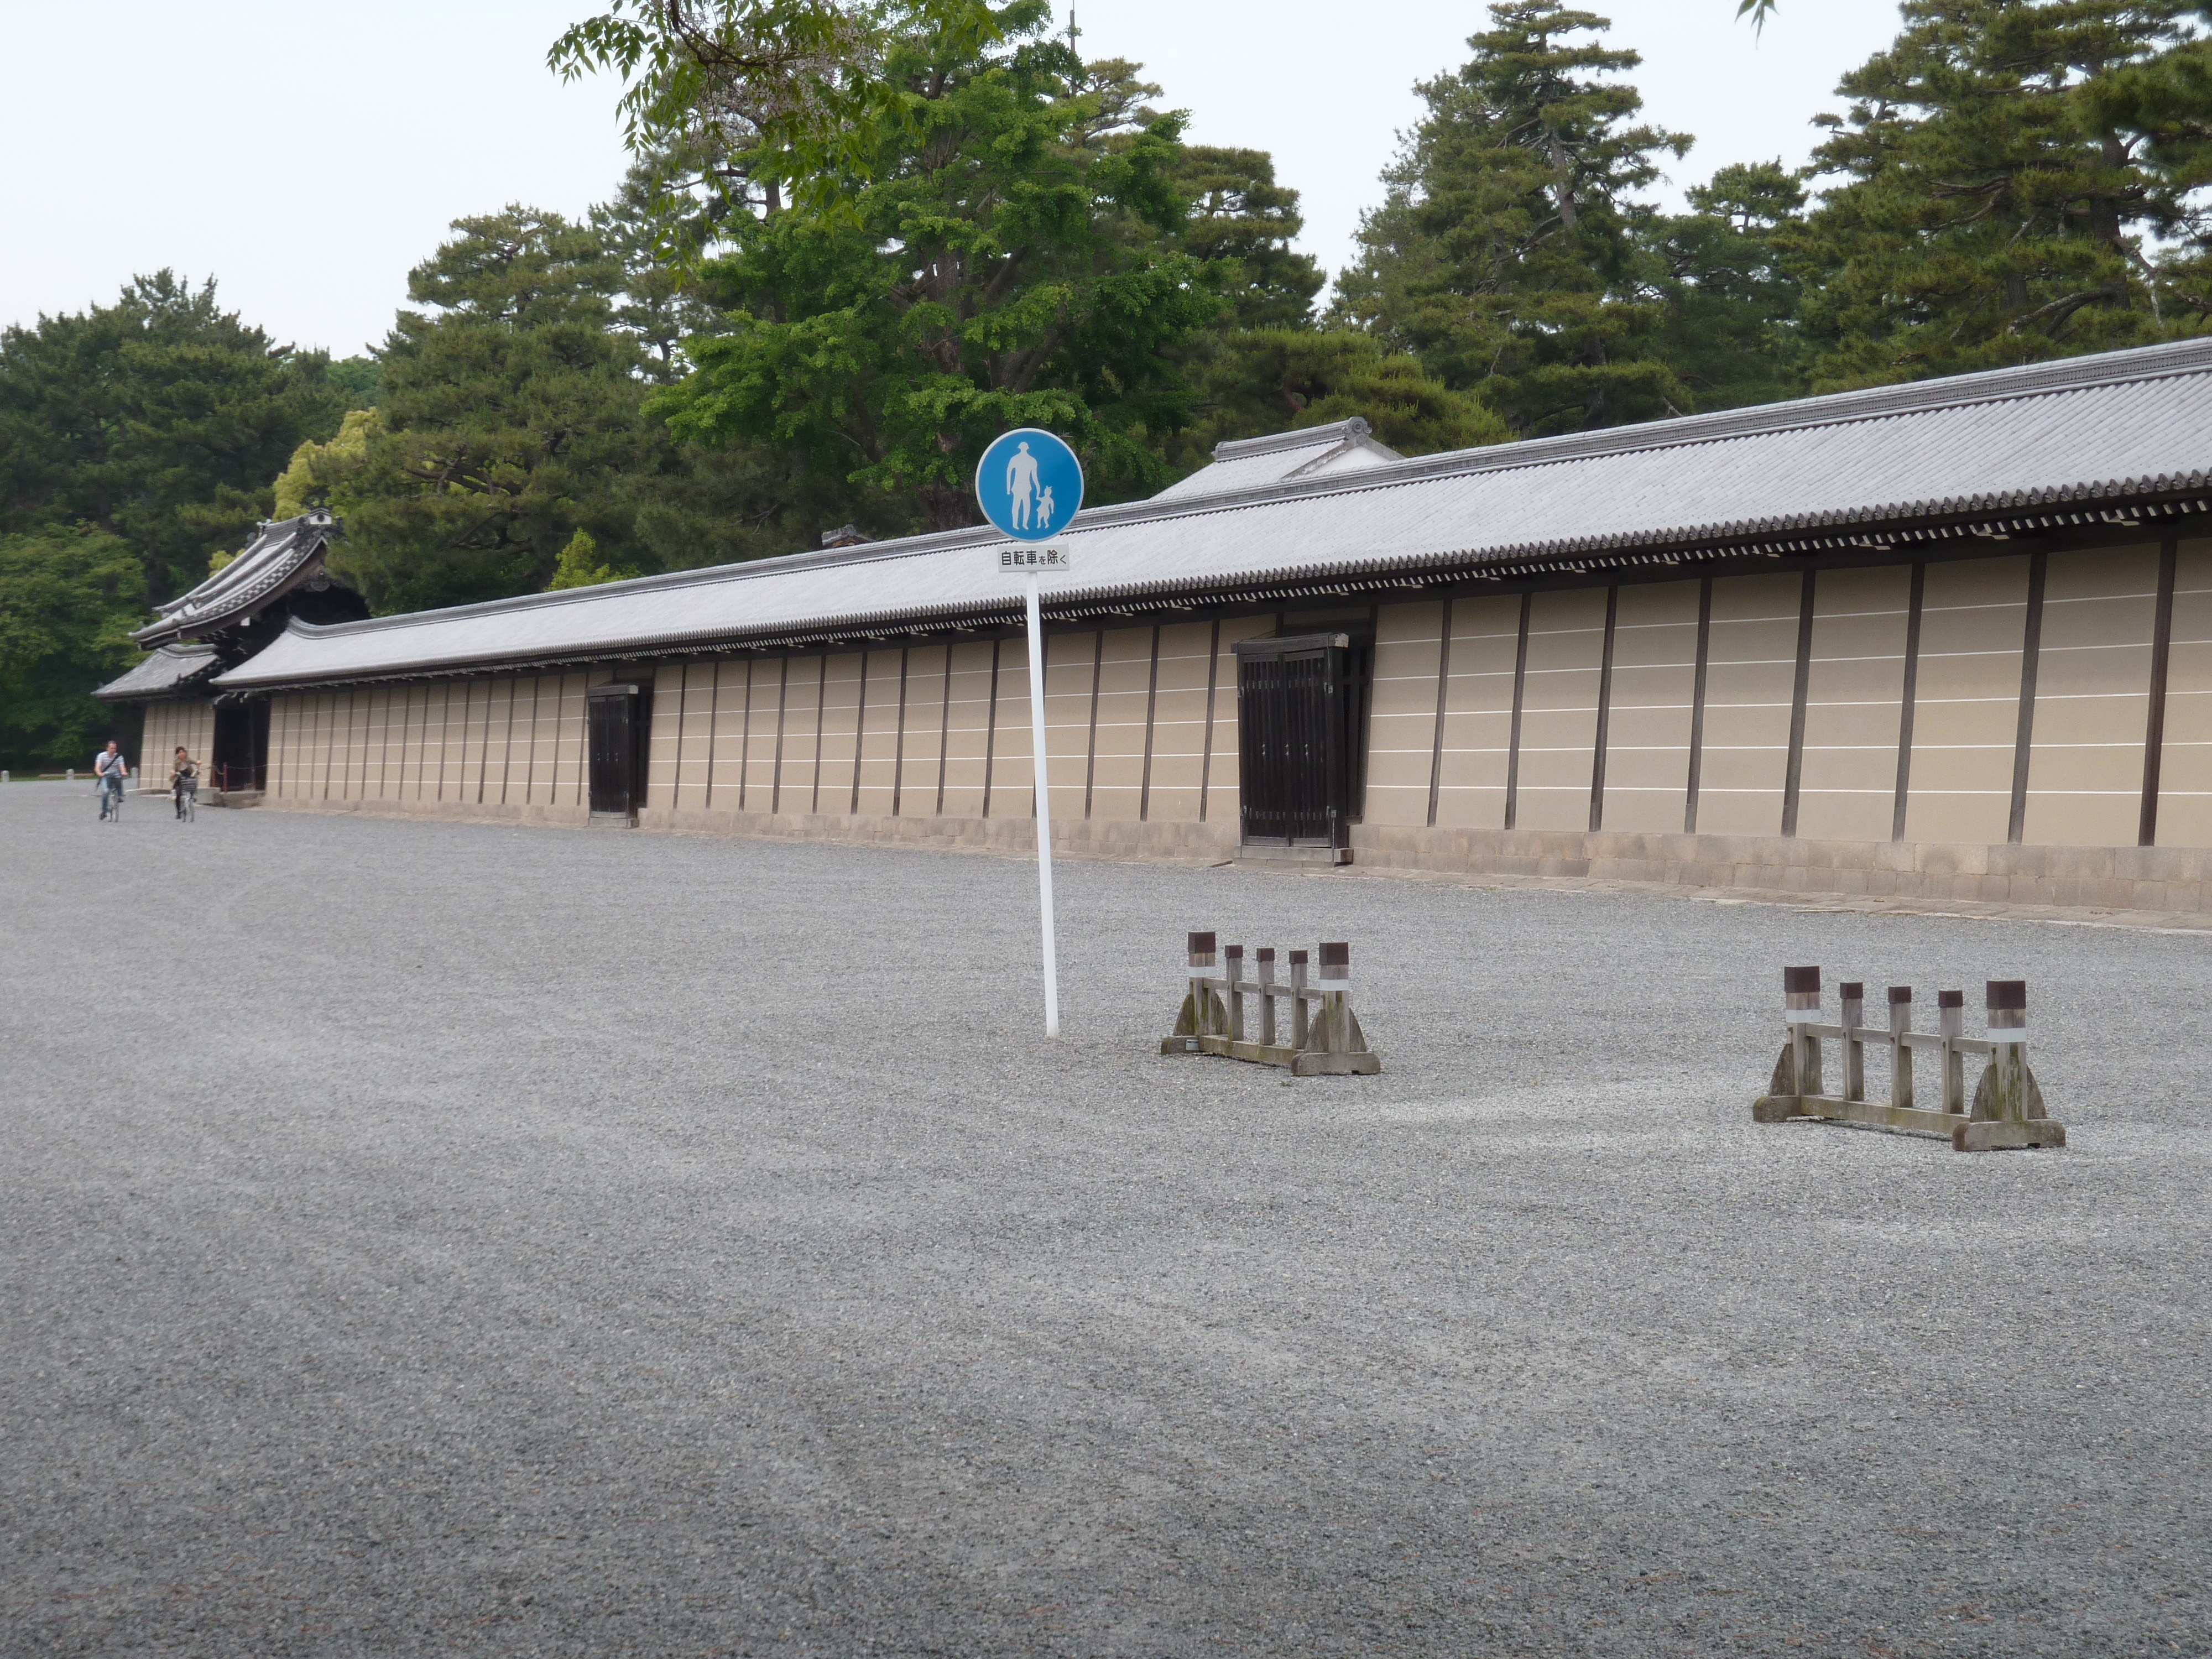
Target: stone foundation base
[1170, 843]
[2164, 879]
[2170, 879]
[1176, 843]
[451, 811]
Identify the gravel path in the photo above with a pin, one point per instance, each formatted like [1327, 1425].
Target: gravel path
[437, 1237]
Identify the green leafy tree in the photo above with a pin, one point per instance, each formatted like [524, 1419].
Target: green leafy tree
[2014, 178]
[811, 93]
[1728, 324]
[511, 414]
[580, 567]
[358, 379]
[508, 405]
[1510, 253]
[160, 419]
[316, 469]
[1011, 259]
[1255, 381]
[69, 599]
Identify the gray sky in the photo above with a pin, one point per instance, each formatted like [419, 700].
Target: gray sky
[306, 155]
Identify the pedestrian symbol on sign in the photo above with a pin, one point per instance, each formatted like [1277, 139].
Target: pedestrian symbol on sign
[1030, 484]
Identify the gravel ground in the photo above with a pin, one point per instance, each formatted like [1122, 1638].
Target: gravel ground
[424, 1237]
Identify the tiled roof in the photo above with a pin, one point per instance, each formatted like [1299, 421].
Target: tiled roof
[171, 669]
[1309, 453]
[1822, 472]
[280, 553]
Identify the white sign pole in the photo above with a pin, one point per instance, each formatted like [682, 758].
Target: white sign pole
[1043, 813]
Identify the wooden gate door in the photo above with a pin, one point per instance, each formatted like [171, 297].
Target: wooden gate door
[1294, 706]
[616, 748]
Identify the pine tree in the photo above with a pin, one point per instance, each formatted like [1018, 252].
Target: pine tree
[1729, 328]
[1239, 212]
[1508, 252]
[2001, 199]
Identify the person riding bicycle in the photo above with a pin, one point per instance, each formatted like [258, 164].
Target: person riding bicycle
[184, 780]
[111, 769]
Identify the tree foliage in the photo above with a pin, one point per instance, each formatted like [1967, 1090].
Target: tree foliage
[1508, 253]
[811, 92]
[1256, 381]
[2014, 181]
[161, 419]
[69, 599]
[511, 414]
[1012, 257]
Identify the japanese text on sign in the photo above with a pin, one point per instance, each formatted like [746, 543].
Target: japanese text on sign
[1034, 558]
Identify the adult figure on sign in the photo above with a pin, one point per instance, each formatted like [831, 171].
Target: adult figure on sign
[1028, 481]
[1021, 487]
[1030, 484]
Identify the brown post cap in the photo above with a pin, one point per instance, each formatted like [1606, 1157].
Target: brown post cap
[1900, 994]
[2008, 993]
[1800, 979]
[1950, 998]
[1297, 958]
[1234, 950]
[1201, 945]
[1265, 953]
[1336, 955]
[1851, 990]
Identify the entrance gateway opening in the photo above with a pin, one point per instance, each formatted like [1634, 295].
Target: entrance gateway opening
[619, 713]
[1302, 719]
[240, 763]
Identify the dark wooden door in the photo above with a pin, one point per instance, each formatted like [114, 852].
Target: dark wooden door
[240, 757]
[616, 748]
[1290, 710]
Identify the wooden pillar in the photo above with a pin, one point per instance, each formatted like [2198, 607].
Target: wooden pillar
[1900, 1052]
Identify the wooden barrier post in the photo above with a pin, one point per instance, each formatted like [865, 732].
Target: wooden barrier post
[1901, 1051]
[1201, 1015]
[1326, 1039]
[1853, 995]
[2007, 1109]
[1334, 981]
[1951, 1022]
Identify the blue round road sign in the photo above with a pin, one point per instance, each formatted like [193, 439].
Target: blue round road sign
[1030, 484]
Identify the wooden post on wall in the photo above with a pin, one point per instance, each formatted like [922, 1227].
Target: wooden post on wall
[1604, 711]
[2031, 649]
[1794, 773]
[1443, 694]
[1905, 700]
[1206, 762]
[1693, 775]
[1513, 732]
[2161, 649]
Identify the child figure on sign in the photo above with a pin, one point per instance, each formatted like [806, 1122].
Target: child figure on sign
[1045, 509]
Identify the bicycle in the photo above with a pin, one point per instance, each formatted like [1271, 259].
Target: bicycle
[188, 796]
[111, 799]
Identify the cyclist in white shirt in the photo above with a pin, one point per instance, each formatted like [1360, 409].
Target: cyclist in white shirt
[110, 768]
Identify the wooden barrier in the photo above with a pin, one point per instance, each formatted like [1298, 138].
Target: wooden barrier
[1324, 1038]
[2007, 1109]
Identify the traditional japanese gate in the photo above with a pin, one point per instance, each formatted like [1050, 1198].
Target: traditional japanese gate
[620, 713]
[1298, 708]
